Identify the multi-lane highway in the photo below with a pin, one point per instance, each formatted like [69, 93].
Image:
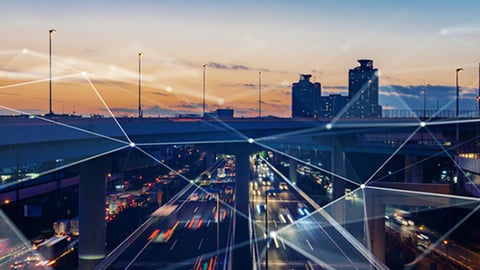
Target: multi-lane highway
[185, 234]
[300, 237]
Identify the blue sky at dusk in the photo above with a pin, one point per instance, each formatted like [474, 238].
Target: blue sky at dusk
[411, 43]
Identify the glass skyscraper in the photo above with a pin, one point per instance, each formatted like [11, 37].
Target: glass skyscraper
[363, 91]
[306, 97]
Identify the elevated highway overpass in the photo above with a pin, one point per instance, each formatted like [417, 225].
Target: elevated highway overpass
[36, 139]
[89, 142]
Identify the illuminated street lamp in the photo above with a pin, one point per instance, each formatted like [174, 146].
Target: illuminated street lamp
[51, 32]
[204, 70]
[218, 225]
[457, 99]
[425, 100]
[140, 113]
[260, 94]
[478, 96]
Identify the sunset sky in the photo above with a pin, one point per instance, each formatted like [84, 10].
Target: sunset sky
[411, 43]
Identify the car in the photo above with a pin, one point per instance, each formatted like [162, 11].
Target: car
[194, 197]
[303, 209]
[229, 190]
[261, 208]
[285, 216]
[195, 223]
[223, 215]
[272, 193]
[163, 237]
[283, 186]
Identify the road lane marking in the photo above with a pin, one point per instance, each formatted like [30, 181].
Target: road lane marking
[200, 244]
[310, 245]
[195, 210]
[173, 245]
[277, 245]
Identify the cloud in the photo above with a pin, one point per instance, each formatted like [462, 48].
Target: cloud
[156, 111]
[246, 111]
[437, 96]
[283, 106]
[250, 85]
[334, 89]
[239, 67]
[188, 105]
[459, 30]
[159, 111]
[217, 65]
[158, 93]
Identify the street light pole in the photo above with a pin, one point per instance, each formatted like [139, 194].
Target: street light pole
[267, 193]
[457, 101]
[218, 226]
[51, 32]
[204, 70]
[266, 230]
[260, 95]
[425, 100]
[478, 96]
[140, 113]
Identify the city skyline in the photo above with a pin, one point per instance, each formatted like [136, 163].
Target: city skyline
[412, 43]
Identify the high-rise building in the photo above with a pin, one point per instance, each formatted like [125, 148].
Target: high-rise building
[306, 97]
[332, 105]
[363, 91]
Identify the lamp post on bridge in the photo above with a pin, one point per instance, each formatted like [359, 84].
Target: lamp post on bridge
[478, 96]
[204, 71]
[51, 32]
[140, 113]
[218, 227]
[260, 95]
[458, 70]
[425, 100]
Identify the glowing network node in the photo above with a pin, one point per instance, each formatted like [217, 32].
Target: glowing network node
[24, 50]
[132, 144]
[423, 124]
[273, 234]
[328, 126]
[84, 73]
[169, 89]
[250, 140]
[362, 186]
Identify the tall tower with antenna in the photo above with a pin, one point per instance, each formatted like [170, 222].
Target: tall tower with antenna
[478, 97]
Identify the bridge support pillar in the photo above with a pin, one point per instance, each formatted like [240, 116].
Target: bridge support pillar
[338, 157]
[413, 172]
[375, 225]
[92, 190]
[210, 157]
[292, 171]
[241, 254]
